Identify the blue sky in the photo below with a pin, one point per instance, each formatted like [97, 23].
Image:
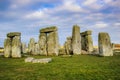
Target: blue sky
[29, 16]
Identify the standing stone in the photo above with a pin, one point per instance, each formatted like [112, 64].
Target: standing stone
[105, 46]
[57, 45]
[87, 42]
[48, 41]
[68, 46]
[37, 49]
[76, 40]
[31, 46]
[7, 47]
[24, 48]
[42, 43]
[83, 42]
[12, 45]
[16, 47]
[52, 45]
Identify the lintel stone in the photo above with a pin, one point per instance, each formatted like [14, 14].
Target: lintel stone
[12, 34]
[48, 29]
[89, 32]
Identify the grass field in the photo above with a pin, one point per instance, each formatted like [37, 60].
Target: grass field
[83, 67]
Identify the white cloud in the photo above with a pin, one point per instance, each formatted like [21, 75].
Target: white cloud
[47, 13]
[92, 4]
[19, 3]
[107, 1]
[36, 15]
[71, 5]
[114, 3]
[89, 2]
[117, 24]
[101, 25]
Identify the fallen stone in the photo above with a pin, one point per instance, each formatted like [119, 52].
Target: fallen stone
[33, 60]
[29, 59]
[44, 60]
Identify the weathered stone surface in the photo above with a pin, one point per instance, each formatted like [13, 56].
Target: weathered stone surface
[24, 48]
[86, 40]
[42, 44]
[89, 43]
[31, 46]
[7, 47]
[76, 40]
[33, 60]
[44, 60]
[62, 51]
[12, 34]
[68, 46]
[105, 46]
[37, 51]
[48, 41]
[12, 45]
[84, 52]
[48, 29]
[29, 59]
[83, 42]
[16, 47]
[89, 32]
[52, 44]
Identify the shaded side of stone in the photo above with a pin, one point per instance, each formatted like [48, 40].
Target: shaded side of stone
[24, 48]
[86, 40]
[68, 46]
[37, 51]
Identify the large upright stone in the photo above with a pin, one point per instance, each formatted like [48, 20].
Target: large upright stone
[7, 47]
[86, 40]
[42, 43]
[37, 51]
[16, 47]
[31, 46]
[48, 41]
[52, 44]
[76, 40]
[68, 46]
[24, 48]
[105, 46]
[12, 45]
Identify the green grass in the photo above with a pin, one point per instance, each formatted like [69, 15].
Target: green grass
[83, 67]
